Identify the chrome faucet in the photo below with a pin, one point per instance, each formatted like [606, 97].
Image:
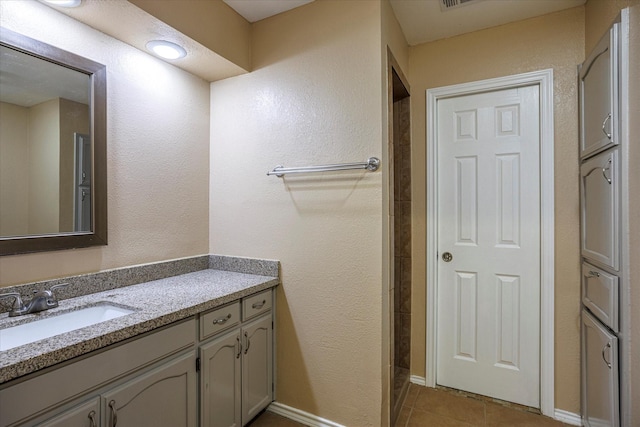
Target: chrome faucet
[41, 300]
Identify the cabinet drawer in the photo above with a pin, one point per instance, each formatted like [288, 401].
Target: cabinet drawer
[600, 294]
[256, 304]
[219, 320]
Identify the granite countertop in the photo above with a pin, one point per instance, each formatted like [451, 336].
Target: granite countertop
[156, 303]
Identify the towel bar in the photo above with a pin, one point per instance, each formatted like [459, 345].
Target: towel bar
[372, 164]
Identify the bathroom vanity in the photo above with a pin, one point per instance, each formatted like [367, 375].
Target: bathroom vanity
[196, 349]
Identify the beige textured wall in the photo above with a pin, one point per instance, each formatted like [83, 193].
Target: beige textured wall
[157, 153]
[551, 41]
[14, 179]
[314, 97]
[599, 15]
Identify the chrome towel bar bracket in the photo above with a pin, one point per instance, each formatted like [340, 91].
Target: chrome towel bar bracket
[372, 164]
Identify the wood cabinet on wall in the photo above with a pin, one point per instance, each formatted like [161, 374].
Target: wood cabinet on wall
[605, 168]
[599, 96]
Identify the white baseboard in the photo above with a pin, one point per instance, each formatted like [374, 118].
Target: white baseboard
[301, 416]
[567, 417]
[315, 421]
[418, 380]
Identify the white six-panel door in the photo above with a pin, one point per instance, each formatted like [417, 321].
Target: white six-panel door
[488, 294]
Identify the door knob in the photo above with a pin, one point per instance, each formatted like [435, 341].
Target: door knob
[447, 257]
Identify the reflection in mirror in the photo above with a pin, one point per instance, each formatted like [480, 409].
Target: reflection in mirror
[52, 148]
[44, 122]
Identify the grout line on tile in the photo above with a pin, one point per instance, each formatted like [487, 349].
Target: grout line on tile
[504, 403]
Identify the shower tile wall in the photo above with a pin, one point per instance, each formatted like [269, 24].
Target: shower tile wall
[402, 214]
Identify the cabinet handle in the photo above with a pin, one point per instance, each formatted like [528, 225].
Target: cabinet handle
[608, 345]
[259, 305]
[114, 413]
[92, 419]
[239, 347]
[246, 338]
[604, 125]
[594, 274]
[605, 169]
[222, 320]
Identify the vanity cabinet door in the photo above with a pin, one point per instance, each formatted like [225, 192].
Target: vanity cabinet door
[257, 367]
[236, 374]
[220, 381]
[163, 397]
[86, 414]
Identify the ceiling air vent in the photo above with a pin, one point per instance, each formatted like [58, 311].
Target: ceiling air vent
[452, 4]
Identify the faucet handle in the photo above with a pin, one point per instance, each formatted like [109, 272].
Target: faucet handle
[58, 286]
[17, 303]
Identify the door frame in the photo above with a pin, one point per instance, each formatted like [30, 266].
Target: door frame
[544, 80]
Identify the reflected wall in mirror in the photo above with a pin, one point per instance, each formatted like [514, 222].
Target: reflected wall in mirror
[52, 148]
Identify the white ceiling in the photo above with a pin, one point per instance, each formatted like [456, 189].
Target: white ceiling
[423, 20]
[255, 10]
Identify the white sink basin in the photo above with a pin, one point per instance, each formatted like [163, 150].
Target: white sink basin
[47, 327]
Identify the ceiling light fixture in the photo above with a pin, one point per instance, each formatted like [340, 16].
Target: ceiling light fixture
[64, 3]
[166, 50]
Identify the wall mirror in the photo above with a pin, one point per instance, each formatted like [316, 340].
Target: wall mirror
[53, 186]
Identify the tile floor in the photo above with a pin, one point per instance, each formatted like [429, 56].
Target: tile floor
[449, 408]
[428, 407]
[400, 388]
[269, 419]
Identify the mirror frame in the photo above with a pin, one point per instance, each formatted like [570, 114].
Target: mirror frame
[97, 74]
